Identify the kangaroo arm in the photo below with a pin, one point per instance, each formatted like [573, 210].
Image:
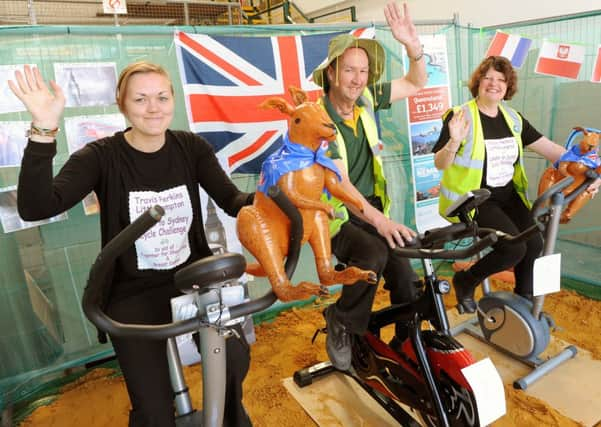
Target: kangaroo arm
[334, 186]
[290, 185]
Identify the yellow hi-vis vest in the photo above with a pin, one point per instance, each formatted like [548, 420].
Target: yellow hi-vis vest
[367, 115]
[465, 173]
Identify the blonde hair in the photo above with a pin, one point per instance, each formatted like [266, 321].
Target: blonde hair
[140, 67]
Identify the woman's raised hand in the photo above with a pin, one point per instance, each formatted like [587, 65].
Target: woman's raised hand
[45, 106]
[458, 127]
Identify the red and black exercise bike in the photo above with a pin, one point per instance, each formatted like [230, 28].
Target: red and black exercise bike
[425, 371]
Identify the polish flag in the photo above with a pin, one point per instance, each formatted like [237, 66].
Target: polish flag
[596, 77]
[514, 48]
[560, 59]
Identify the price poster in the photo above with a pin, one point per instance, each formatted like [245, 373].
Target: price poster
[424, 112]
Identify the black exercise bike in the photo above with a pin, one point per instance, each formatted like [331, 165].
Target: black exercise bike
[203, 278]
[424, 372]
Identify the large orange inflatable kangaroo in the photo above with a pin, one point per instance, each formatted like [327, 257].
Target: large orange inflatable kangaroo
[575, 162]
[264, 229]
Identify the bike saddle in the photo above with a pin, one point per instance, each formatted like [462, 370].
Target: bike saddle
[201, 275]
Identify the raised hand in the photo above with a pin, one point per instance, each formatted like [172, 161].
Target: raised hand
[458, 127]
[45, 106]
[402, 27]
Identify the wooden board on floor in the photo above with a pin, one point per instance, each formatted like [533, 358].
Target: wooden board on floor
[336, 400]
[573, 388]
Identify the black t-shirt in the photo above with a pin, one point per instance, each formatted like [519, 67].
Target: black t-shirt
[160, 171]
[493, 128]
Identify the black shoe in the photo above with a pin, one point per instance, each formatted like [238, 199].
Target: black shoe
[338, 341]
[465, 286]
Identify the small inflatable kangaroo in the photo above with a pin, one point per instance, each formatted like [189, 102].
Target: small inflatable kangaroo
[574, 162]
[264, 229]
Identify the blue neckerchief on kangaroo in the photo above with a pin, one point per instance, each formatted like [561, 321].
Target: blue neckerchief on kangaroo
[590, 159]
[291, 157]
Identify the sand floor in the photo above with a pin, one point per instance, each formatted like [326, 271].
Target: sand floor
[99, 398]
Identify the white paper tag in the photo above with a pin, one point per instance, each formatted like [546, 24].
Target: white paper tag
[183, 307]
[547, 274]
[488, 389]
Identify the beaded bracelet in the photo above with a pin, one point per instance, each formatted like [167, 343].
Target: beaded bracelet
[36, 130]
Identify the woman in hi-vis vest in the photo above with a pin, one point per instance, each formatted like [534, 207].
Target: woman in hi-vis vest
[481, 146]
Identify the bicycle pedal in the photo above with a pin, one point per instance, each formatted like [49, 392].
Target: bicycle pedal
[551, 322]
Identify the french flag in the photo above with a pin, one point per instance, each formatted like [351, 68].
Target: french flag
[514, 48]
[596, 77]
[560, 59]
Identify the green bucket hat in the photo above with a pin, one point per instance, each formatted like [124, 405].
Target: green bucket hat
[340, 43]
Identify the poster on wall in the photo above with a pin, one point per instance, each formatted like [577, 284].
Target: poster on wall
[87, 84]
[9, 217]
[12, 142]
[9, 103]
[424, 117]
[80, 130]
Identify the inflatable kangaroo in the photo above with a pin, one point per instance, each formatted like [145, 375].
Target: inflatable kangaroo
[264, 229]
[575, 162]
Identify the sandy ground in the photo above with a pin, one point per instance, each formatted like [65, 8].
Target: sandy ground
[283, 346]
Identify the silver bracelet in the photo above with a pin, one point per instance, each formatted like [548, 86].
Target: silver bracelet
[417, 57]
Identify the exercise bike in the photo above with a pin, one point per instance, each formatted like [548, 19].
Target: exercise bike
[203, 278]
[512, 323]
[425, 371]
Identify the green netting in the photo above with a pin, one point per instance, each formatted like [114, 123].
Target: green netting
[43, 269]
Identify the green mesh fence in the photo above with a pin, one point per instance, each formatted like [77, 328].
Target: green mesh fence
[44, 268]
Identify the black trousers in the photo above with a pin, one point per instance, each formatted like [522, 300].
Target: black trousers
[145, 367]
[511, 217]
[358, 244]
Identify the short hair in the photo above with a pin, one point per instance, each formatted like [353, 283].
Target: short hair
[140, 67]
[500, 64]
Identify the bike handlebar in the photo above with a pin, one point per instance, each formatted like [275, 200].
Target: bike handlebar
[431, 244]
[92, 297]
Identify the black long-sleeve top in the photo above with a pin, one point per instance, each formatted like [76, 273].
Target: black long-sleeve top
[112, 168]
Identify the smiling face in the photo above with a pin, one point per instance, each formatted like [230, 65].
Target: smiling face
[148, 104]
[493, 86]
[494, 75]
[353, 74]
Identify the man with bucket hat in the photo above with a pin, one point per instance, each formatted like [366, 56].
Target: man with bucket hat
[352, 95]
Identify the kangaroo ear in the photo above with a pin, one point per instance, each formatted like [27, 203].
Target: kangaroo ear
[298, 95]
[279, 103]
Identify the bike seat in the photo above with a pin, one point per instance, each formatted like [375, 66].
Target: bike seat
[202, 274]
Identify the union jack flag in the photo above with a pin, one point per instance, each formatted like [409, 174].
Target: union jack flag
[226, 78]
